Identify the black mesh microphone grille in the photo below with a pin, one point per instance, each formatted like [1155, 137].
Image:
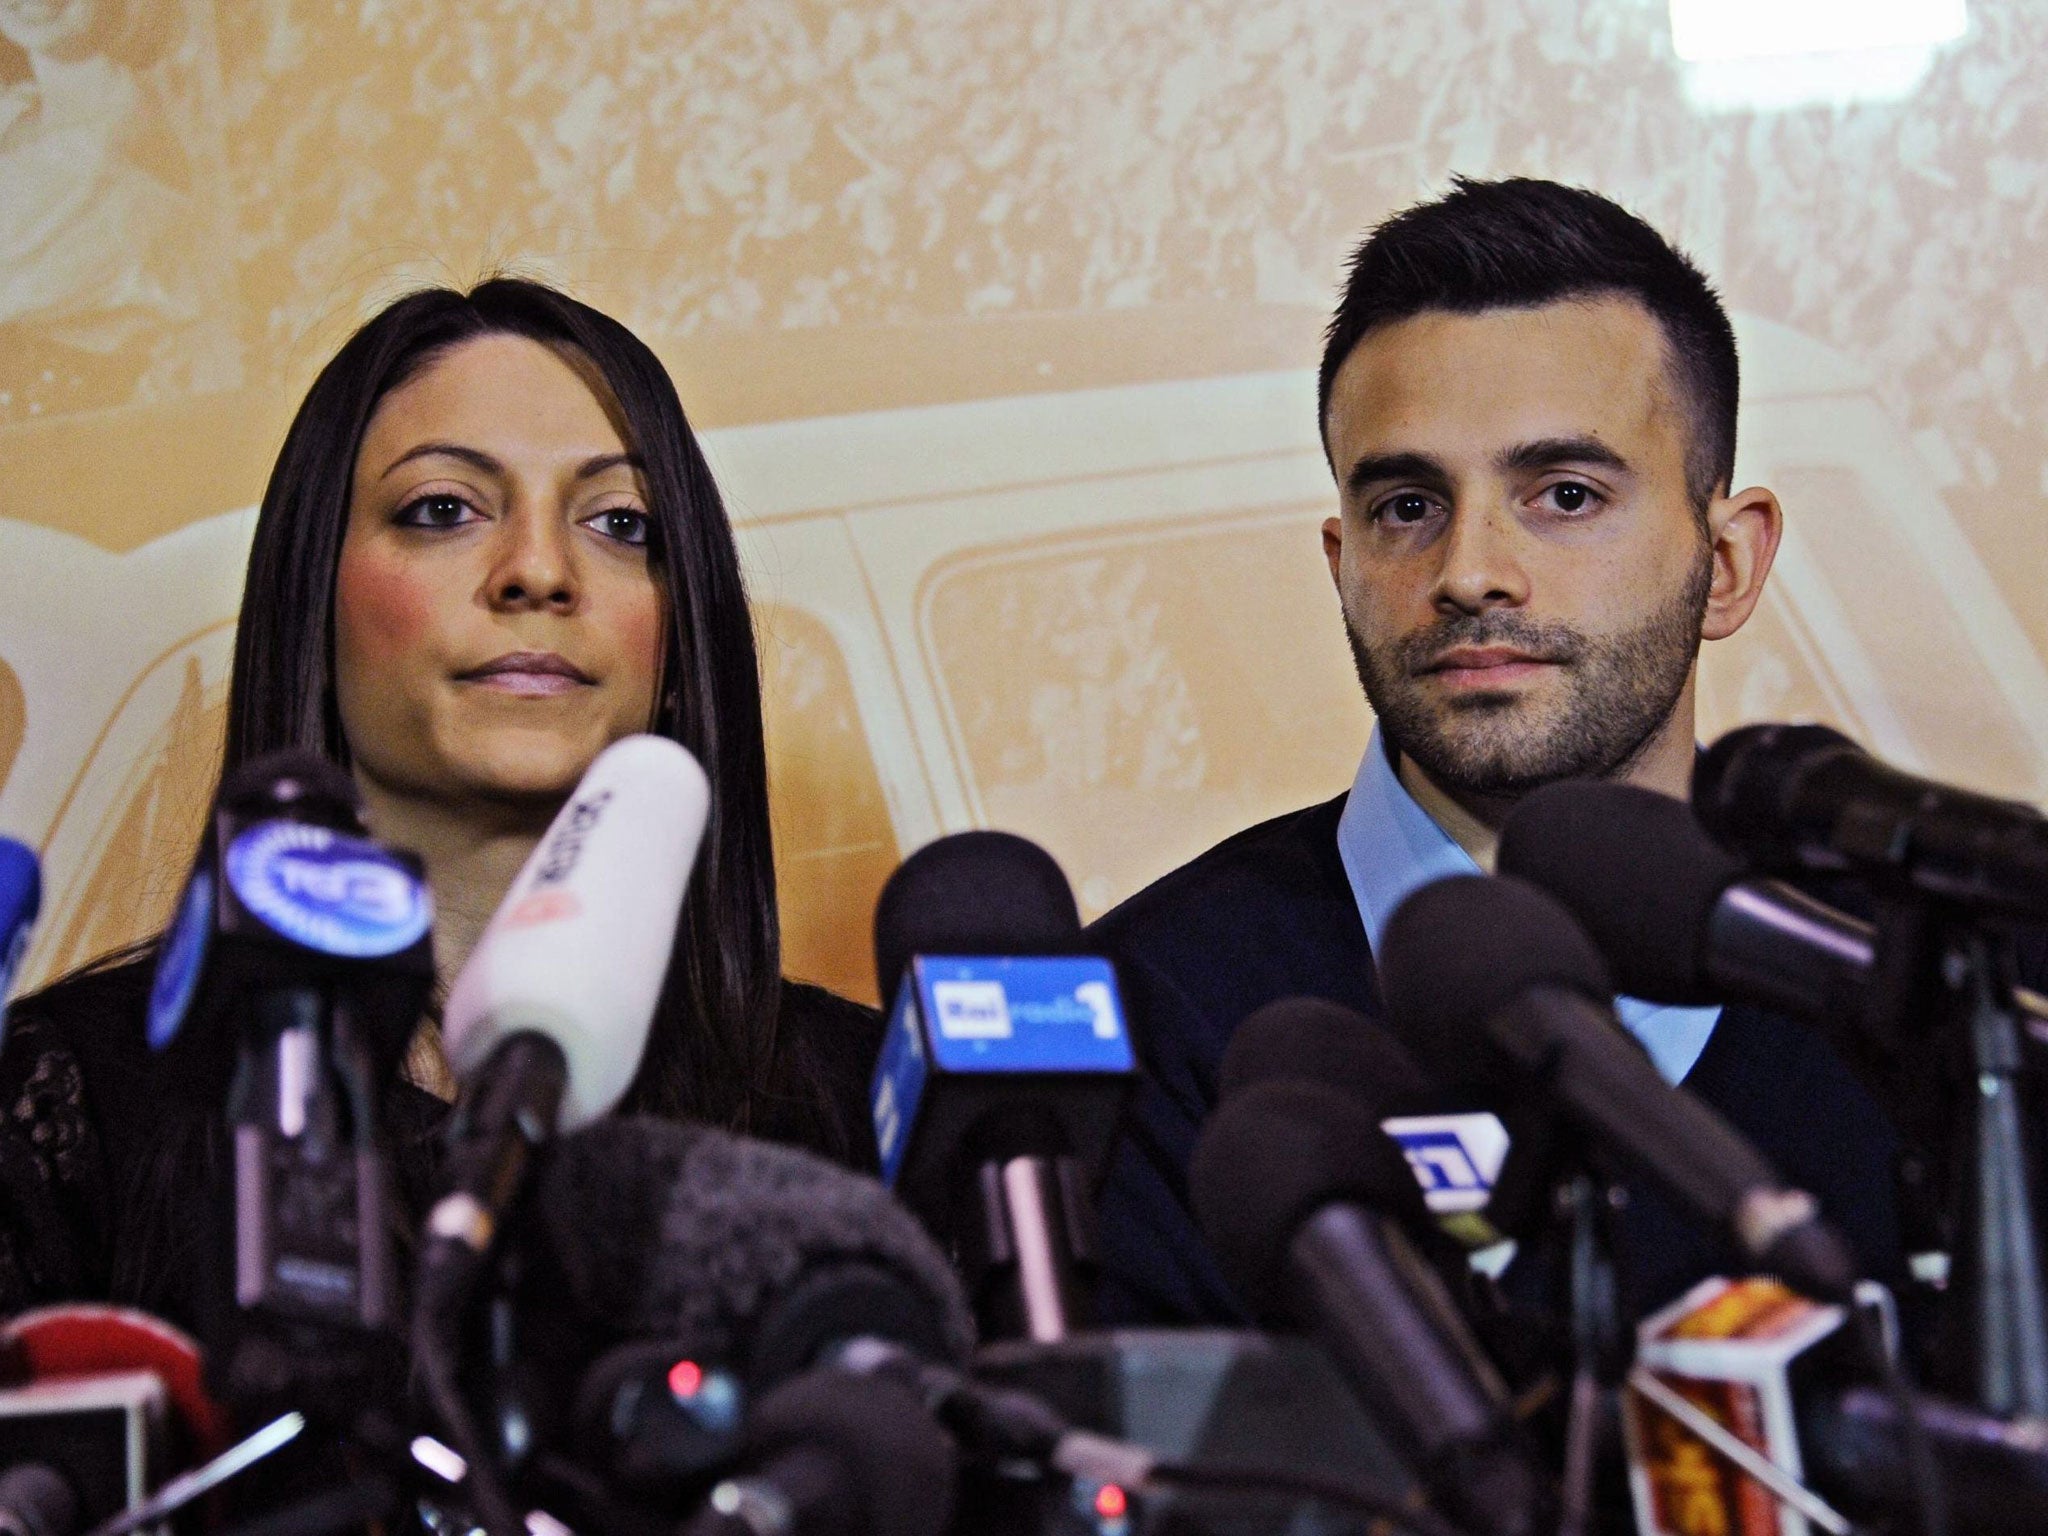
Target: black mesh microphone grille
[1308, 1038]
[973, 893]
[1638, 872]
[1459, 950]
[1274, 1155]
[1744, 784]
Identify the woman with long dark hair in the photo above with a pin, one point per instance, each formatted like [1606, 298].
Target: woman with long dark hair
[490, 546]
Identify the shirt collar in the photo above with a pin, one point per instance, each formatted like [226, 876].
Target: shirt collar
[1391, 846]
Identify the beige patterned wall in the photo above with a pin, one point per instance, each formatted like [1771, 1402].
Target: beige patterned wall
[999, 315]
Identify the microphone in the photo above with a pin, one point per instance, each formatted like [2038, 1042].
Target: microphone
[1489, 974]
[1456, 1155]
[829, 1453]
[21, 897]
[1793, 797]
[96, 1404]
[764, 1262]
[1308, 1205]
[1678, 919]
[545, 1027]
[1741, 1391]
[548, 1019]
[1309, 1039]
[1003, 1073]
[742, 1253]
[287, 986]
[752, 1264]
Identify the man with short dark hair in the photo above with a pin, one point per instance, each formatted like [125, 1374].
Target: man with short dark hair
[1528, 401]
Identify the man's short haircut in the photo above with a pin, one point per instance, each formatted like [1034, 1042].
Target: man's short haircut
[1521, 243]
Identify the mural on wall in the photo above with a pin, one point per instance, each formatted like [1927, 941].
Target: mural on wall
[999, 319]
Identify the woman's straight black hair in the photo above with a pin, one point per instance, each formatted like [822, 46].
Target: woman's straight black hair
[713, 1045]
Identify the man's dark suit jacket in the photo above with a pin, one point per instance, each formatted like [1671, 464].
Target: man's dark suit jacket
[1269, 914]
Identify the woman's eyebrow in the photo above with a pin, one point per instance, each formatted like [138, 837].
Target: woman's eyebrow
[474, 457]
[591, 468]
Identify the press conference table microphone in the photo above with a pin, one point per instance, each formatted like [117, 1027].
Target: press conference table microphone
[286, 988]
[1679, 919]
[1003, 1073]
[1793, 797]
[548, 1019]
[1489, 974]
[1310, 1209]
[545, 1027]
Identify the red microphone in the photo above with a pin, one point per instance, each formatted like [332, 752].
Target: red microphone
[97, 1404]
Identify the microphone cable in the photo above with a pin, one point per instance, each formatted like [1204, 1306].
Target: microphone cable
[1923, 1475]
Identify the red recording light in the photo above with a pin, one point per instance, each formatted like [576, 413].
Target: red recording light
[685, 1377]
[1110, 1502]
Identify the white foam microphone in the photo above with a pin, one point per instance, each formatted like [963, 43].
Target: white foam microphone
[578, 949]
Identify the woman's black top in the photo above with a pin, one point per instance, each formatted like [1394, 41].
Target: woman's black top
[97, 1160]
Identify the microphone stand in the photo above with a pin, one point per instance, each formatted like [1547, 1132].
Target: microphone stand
[1028, 1247]
[1552, 1189]
[1935, 965]
[1603, 1344]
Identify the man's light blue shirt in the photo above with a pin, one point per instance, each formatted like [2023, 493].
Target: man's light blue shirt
[1391, 846]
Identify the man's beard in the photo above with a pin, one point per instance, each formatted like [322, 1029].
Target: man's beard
[1620, 690]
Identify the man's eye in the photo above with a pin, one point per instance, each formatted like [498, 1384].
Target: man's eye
[1568, 496]
[1408, 507]
[433, 512]
[623, 524]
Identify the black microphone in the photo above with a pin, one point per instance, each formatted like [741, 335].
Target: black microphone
[1488, 974]
[1679, 919]
[288, 985]
[1308, 1206]
[1310, 1039]
[1793, 797]
[1003, 1075]
[829, 1453]
[753, 1256]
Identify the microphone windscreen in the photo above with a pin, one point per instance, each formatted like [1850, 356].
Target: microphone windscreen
[1742, 785]
[1311, 1039]
[1638, 872]
[1270, 1158]
[973, 893]
[1461, 949]
[580, 946]
[748, 1249]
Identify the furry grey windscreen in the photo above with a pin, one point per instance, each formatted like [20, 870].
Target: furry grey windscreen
[685, 1232]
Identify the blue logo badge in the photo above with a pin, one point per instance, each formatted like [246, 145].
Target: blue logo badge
[179, 961]
[327, 891]
[1038, 1013]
